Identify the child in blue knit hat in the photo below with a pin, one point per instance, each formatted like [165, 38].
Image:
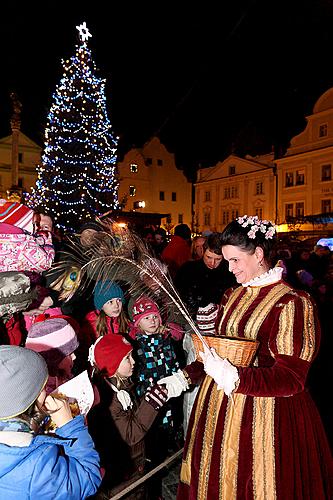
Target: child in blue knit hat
[109, 315]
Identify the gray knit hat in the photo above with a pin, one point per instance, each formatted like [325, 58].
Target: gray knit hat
[23, 374]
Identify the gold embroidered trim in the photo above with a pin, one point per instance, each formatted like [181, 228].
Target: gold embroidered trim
[285, 336]
[213, 411]
[263, 473]
[185, 472]
[231, 328]
[309, 334]
[230, 447]
[234, 296]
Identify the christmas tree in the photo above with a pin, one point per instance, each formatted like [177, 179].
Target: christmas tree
[77, 177]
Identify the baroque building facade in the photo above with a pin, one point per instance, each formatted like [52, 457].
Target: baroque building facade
[29, 156]
[295, 191]
[149, 181]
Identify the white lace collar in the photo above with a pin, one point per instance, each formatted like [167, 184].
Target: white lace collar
[272, 276]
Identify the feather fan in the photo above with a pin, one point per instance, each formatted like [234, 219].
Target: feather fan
[120, 255]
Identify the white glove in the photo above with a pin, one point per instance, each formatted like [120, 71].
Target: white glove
[175, 384]
[223, 372]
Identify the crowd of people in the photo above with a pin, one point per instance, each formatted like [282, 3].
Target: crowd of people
[247, 431]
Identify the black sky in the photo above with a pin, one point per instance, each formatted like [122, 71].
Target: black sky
[208, 79]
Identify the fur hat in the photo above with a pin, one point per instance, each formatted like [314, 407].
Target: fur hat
[105, 291]
[23, 374]
[142, 307]
[53, 338]
[108, 352]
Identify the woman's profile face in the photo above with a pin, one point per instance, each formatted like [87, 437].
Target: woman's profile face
[243, 265]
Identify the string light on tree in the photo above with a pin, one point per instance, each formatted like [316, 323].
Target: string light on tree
[78, 170]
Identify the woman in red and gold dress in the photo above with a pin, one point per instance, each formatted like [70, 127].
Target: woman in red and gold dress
[254, 432]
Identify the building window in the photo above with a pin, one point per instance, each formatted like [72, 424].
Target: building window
[180, 218]
[259, 188]
[226, 193]
[149, 161]
[232, 169]
[160, 163]
[299, 177]
[289, 179]
[132, 190]
[289, 211]
[323, 130]
[326, 172]
[234, 214]
[259, 212]
[300, 209]
[325, 206]
[173, 196]
[225, 217]
[133, 168]
[207, 195]
[207, 219]
[20, 182]
[161, 195]
[20, 157]
[234, 192]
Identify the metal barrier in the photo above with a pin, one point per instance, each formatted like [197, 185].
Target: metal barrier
[147, 476]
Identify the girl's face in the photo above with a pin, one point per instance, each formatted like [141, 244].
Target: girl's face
[126, 366]
[113, 308]
[243, 265]
[149, 324]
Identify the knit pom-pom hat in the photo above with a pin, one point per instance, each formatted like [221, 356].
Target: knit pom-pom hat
[142, 307]
[23, 374]
[108, 352]
[53, 338]
[105, 291]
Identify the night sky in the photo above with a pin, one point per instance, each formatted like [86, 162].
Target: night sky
[207, 82]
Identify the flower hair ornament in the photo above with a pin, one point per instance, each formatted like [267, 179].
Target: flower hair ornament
[255, 224]
[123, 397]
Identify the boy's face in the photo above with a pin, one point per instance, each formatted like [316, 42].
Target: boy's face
[150, 323]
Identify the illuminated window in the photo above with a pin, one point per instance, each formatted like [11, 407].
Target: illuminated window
[300, 209]
[323, 130]
[326, 206]
[289, 210]
[259, 188]
[132, 190]
[289, 179]
[133, 168]
[299, 177]
[326, 172]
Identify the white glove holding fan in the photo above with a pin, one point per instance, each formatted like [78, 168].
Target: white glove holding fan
[221, 370]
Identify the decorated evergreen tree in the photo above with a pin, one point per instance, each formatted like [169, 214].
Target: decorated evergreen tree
[77, 177]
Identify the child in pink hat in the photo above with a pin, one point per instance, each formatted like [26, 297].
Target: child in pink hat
[55, 339]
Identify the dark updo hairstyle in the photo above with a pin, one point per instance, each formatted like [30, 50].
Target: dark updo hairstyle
[236, 235]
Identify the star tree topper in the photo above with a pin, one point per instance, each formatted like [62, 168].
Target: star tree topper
[83, 32]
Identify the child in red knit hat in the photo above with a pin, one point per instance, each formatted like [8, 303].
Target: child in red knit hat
[121, 421]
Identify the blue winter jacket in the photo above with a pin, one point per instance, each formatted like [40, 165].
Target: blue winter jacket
[62, 467]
